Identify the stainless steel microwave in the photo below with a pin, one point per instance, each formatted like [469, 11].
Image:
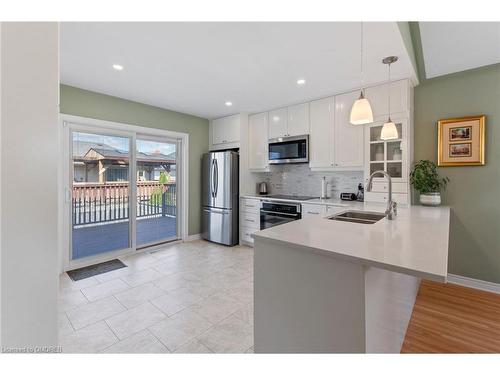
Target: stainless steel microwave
[289, 150]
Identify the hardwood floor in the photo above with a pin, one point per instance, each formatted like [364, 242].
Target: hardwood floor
[449, 318]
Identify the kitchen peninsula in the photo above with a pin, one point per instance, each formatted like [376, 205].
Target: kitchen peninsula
[331, 286]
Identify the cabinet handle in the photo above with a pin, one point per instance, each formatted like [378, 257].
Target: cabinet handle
[249, 205]
[251, 221]
[313, 213]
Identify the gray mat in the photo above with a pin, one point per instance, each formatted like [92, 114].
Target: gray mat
[96, 269]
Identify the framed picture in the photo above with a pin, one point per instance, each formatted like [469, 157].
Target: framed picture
[461, 141]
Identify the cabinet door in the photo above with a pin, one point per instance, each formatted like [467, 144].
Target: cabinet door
[378, 97]
[278, 123]
[218, 126]
[322, 120]
[298, 119]
[231, 129]
[257, 139]
[226, 130]
[348, 146]
[313, 210]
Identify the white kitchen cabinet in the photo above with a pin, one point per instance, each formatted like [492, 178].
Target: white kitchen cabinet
[392, 156]
[321, 138]
[225, 132]
[379, 99]
[313, 210]
[249, 219]
[258, 142]
[289, 122]
[278, 123]
[298, 120]
[348, 138]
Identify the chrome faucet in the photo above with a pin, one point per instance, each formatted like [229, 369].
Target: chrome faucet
[392, 210]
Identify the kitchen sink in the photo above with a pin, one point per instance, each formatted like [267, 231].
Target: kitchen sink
[360, 217]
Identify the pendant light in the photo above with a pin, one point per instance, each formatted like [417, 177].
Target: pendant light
[389, 130]
[361, 111]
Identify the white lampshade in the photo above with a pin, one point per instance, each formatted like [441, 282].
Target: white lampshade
[361, 111]
[389, 131]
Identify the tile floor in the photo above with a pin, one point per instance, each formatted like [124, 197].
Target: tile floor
[194, 297]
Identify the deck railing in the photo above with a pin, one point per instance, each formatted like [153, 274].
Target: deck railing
[94, 203]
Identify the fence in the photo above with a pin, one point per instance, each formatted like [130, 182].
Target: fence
[94, 203]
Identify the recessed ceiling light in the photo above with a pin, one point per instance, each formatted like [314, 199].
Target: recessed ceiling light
[228, 104]
[117, 67]
[301, 82]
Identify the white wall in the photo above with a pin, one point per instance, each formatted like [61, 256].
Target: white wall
[29, 159]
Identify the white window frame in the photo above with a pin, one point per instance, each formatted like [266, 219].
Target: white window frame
[78, 123]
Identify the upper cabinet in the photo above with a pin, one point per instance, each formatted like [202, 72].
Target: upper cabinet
[225, 132]
[298, 119]
[257, 142]
[379, 99]
[321, 138]
[348, 145]
[289, 122]
[278, 123]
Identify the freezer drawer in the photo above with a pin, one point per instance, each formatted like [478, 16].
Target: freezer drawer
[220, 226]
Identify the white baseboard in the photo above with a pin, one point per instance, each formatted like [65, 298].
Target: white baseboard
[193, 237]
[474, 283]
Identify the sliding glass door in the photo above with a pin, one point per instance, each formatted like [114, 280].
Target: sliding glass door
[156, 166]
[124, 190]
[100, 204]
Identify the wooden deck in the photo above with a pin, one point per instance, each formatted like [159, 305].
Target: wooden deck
[94, 240]
[449, 318]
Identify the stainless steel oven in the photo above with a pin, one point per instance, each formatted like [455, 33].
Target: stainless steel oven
[289, 150]
[277, 213]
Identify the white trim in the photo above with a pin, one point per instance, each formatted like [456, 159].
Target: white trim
[474, 283]
[193, 237]
[131, 131]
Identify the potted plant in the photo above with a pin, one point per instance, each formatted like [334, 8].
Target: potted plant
[426, 180]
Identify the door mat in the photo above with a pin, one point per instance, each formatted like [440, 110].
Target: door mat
[96, 269]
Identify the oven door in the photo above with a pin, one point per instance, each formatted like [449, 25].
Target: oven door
[270, 219]
[289, 150]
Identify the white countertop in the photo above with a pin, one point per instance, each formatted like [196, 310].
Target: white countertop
[415, 243]
[329, 201]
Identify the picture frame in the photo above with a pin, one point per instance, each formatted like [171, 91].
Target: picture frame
[461, 141]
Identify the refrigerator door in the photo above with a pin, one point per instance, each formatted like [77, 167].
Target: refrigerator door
[219, 225]
[207, 179]
[220, 179]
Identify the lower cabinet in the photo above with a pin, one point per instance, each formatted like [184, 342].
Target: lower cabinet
[382, 197]
[249, 219]
[312, 210]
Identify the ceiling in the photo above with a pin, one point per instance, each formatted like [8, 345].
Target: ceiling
[196, 67]
[450, 47]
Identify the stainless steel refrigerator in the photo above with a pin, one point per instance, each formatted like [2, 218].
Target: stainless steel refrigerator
[220, 182]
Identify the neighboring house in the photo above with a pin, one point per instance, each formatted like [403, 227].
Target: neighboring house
[99, 163]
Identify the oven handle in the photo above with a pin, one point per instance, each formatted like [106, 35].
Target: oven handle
[279, 213]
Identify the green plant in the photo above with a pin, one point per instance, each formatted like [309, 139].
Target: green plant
[156, 195]
[425, 178]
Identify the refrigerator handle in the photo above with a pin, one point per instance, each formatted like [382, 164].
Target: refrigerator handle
[216, 178]
[212, 167]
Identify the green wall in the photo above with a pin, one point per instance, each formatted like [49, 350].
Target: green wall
[473, 192]
[78, 102]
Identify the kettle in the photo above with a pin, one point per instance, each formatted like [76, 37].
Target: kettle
[263, 188]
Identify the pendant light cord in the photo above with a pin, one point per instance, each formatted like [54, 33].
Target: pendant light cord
[361, 62]
[389, 91]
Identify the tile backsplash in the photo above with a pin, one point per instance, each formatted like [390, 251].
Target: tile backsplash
[298, 179]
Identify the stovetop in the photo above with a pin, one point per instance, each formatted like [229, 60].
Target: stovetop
[292, 197]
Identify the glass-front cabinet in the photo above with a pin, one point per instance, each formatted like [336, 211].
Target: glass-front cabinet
[392, 156]
[387, 155]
